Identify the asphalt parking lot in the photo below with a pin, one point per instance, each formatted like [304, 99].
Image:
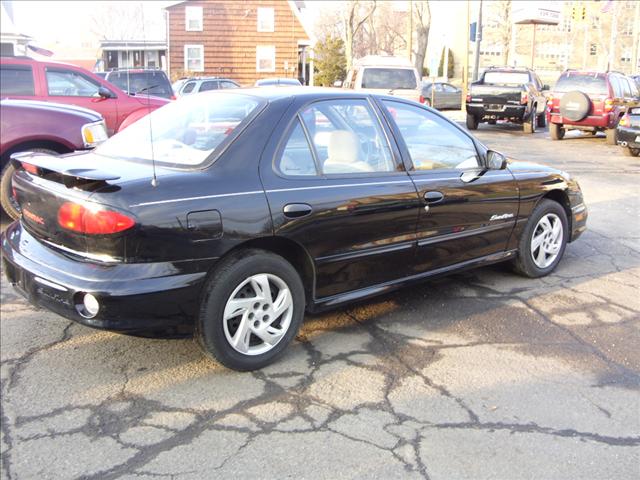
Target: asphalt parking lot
[480, 375]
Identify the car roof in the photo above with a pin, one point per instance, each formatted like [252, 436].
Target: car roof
[272, 93]
[29, 61]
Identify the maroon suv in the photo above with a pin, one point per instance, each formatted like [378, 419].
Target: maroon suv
[42, 127]
[589, 101]
[29, 79]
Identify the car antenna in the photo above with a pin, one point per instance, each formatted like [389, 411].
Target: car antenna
[154, 178]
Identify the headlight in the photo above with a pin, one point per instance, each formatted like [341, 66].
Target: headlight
[94, 133]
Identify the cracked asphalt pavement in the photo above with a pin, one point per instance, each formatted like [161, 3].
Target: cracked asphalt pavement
[480, 375]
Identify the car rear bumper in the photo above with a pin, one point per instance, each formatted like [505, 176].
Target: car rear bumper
[629, 137]
[505, 111]
[597, 121]
[132, 297]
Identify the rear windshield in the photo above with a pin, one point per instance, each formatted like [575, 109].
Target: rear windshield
[506, 78]
[389, 78]
[595, 84]
[151, 83]
[183, 133]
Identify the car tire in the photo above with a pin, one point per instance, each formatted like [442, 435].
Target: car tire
[632, 152]
[241, 279]
[9, 207]
[612, 136]
[540, 259]
[472, 122]
[530, 125]
[556, 131]
[427, 102]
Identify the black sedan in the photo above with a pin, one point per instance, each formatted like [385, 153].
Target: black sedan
[233, 212]
[628, 132]
[442, 95]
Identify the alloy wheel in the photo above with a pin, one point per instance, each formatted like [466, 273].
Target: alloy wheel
[258, 314]
[546, 240]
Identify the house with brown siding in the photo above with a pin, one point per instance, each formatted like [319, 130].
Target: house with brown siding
[241, 40]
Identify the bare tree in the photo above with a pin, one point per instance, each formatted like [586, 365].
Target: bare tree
[117, 21]
[422, 23]
[503, 18]
[355, 16]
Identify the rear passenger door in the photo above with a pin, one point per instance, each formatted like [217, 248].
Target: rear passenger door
[336, 185]
[17, 81]
[468, 211]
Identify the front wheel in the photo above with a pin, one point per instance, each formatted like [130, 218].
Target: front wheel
[543, 240]
[252, 308]
[530, 125]
[472, 122]
[632, 152]
[9, 204]
[556, 131]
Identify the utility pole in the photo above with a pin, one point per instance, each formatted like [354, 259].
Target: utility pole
[476, 62]
[465, 69]
[636, 38]
[410, 33]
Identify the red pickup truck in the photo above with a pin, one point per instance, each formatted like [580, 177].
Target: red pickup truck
[29, 79]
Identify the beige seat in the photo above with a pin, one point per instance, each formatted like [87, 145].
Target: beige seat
[343, 150]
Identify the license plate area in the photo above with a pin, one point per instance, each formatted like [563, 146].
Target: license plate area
[495, 108]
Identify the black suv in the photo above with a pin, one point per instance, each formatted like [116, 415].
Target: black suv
[141, 81]
[505, 93]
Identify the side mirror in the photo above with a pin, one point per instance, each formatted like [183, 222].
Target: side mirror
[104, 92]
[496, 160]
[546, 87]
[337, 83]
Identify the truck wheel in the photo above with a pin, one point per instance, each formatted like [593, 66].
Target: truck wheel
[556, 131]
[612, 136]
[252, 308]
[542, 119]
[530, 125]
[472, 122]
[632, 152]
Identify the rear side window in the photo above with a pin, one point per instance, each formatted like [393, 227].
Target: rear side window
[68, 83]
[593, 84]
[227, 84]
[16, 80]
[389, 78]
[188, 88]
[211, 85]
[296, 158]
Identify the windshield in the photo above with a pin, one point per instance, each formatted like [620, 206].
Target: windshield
[389, 78]
[184, 132]
[151, 83]
[587, 83]
[506, 78]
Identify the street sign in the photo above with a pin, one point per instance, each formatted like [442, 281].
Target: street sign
[472, 31]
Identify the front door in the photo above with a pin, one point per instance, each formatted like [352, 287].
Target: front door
[468, 211]
[337, 187]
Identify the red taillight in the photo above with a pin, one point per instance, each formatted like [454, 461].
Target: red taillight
[524, 98]
[608, 104]
[30, 168]
[98, 221]
[421, 99]
[173, 97]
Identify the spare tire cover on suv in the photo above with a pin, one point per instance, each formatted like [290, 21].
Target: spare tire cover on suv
[575, 105]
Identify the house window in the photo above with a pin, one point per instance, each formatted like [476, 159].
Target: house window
[265, 58]
[194, 58]
[193, 19]
[266, 20]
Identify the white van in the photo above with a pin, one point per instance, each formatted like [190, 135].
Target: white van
[385, 75]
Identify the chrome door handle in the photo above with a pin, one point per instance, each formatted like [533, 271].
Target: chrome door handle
[297, 210]
[433, 197]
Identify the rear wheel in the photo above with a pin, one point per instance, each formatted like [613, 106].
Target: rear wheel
[612, 136]
[9, 204]
[427, 102]
[252, 308]
[472, 122]
[632, 152]
[556, 131]
[543, 241]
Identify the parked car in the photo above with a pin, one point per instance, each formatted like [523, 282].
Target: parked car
[589, 101]
[628, 135]
[385, 75]
[636, 78]
[204, 84]
[44, 127]
[278, 82]
[269, 202]
[146, 81]
[28, 79]
[441, 95]
[507, 93]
